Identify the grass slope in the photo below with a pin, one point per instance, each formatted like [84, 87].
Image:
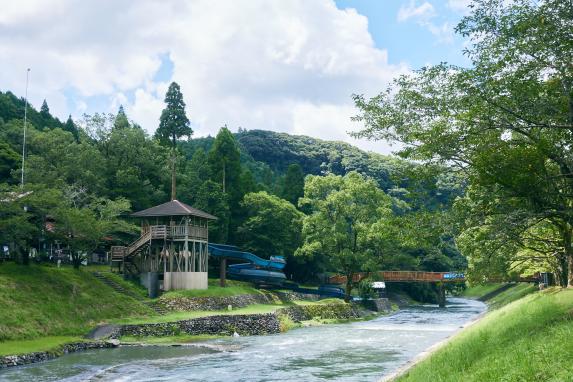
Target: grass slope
[38, 301]
[232, 288]
[479, 290]
[35, 345]
[511, 295]
[527, 340]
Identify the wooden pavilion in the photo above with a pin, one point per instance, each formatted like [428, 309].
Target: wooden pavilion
[173, 242]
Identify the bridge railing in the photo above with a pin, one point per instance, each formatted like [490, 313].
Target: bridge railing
[403, 276]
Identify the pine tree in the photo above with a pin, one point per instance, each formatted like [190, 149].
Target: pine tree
[71, 127]
[173, 124]
[45, 116]
[225, 165]
[121, 121]
[45, 110]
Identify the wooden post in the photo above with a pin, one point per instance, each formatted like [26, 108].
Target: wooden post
[223, 272]
[441, 295]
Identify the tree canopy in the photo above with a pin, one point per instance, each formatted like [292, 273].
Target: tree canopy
[507, 121]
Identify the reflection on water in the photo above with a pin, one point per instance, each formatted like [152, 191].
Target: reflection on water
[361, 351]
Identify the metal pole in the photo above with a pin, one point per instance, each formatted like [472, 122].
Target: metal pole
[25, 120]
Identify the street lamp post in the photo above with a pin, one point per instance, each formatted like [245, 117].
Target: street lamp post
[25, 120]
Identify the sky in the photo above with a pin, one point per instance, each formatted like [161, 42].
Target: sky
[282, 65]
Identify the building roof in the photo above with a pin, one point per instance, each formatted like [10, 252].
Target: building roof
[173, 208]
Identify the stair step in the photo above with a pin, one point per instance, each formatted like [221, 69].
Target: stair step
[120, 289]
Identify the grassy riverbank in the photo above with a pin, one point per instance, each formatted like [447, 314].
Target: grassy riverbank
[527, 340]
[44, 307]
[38, 301]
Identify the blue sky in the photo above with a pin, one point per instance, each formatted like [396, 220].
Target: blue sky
[408, 41]
[283, 65]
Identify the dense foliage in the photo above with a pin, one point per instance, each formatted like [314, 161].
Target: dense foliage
[507, 122]
[84, 179]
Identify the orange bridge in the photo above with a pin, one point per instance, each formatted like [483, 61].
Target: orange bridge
[403, 276]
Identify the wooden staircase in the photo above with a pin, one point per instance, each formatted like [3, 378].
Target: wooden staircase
[122, 257]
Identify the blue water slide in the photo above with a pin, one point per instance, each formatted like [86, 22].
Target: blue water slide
[257, 269]
[232, 252]
[263, 271]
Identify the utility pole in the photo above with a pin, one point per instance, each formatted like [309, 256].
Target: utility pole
[25, 120]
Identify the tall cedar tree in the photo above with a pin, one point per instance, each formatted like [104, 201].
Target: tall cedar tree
[71, 127]
[293, 187]
[121, 121]
[173, 124]
[225, 163]
[45, 115]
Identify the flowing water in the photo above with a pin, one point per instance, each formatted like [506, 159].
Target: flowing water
[360, 351]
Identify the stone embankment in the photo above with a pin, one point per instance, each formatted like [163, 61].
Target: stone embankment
[24, 359]
[214, 303]
[246, 325]
[240, 301]
[300, 313]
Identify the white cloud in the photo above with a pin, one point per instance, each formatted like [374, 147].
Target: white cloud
[285, 65]
[424, 15]
[424, 11]
[460, 6]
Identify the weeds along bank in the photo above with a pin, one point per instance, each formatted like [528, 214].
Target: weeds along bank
[529, 339]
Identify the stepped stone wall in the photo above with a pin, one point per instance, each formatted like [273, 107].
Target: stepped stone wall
[245, 325]
[299, 313]
[213, 303]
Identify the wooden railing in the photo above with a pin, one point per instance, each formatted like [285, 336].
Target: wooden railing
[403, 276]
[155, 232]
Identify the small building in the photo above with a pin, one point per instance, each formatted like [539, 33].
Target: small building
[173, 242]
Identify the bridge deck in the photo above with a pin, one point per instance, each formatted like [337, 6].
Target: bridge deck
[403, 276]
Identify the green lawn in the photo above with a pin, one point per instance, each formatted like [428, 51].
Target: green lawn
[232, 288]
[179, 316]
[479, 290]
[319, 302]
[38, 344]
[39, 301]
[530, 339]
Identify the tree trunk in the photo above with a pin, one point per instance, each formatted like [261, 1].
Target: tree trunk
[561, 271]
[24, 256]
[76, 260]
[568, 255]
[224, 177]
[173, 185]
[223, 272]
[349, 281]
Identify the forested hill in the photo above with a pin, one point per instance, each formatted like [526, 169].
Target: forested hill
[268, 154]
[268, 150]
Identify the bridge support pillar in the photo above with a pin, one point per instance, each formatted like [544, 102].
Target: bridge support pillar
[223, 272]
[441, 295]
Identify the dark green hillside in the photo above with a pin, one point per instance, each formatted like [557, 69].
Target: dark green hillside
[268, 154]
[12, 107]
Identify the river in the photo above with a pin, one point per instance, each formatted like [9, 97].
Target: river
[359, 351]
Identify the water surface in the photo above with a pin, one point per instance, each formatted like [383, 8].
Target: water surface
[355, 352]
